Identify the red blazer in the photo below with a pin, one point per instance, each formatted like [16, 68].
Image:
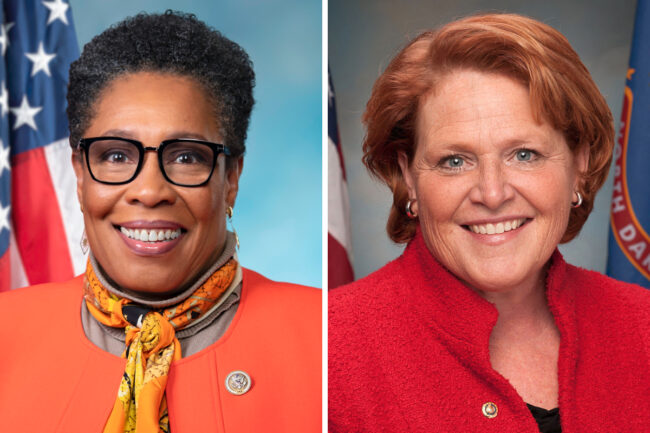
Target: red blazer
[53, 379]
[408, 352]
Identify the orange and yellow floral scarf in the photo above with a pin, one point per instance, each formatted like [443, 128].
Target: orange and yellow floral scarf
[151, 346]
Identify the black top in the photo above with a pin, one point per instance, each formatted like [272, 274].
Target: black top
[548, 421]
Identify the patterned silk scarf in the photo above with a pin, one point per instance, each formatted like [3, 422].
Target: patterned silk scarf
[151, 346]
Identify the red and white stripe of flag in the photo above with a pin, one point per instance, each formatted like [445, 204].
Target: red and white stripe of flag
[47, 223]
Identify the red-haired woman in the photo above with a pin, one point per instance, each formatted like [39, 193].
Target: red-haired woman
[494, 139]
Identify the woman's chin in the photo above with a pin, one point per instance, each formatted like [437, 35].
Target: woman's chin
[494, 278]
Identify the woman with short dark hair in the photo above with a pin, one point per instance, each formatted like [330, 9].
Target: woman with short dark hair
[165, 331]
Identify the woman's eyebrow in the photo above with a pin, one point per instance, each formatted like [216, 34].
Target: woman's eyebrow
[126, 133]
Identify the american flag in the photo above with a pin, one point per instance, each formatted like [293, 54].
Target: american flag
[339, 246]
[40, 220]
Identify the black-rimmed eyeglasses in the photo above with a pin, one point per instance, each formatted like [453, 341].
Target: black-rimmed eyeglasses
[182, 161]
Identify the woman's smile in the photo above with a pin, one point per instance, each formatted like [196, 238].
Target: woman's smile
[150, 237]
[491, 228]
[497, 231]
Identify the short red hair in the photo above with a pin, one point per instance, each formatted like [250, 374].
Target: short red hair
[562, 93]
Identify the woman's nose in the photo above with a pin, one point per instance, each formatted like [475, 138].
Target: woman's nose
[150, 186]
[492, 188]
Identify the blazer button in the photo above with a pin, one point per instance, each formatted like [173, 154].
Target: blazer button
[490, 409]
[238, 382]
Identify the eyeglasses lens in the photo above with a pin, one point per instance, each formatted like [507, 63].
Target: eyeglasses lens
[113, 160]
[188, 163]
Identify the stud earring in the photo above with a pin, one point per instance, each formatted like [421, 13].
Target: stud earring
[83, 243]
[229, 213]
[409, 211]
[575, 204]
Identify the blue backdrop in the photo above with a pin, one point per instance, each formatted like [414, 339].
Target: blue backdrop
[278, 212]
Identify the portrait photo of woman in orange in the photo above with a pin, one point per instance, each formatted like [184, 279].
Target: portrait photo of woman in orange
[165, 331]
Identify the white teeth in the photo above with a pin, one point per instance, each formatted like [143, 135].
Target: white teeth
[150, 235]
[497, 228]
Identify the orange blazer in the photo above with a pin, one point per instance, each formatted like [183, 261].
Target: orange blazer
[53, 379]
